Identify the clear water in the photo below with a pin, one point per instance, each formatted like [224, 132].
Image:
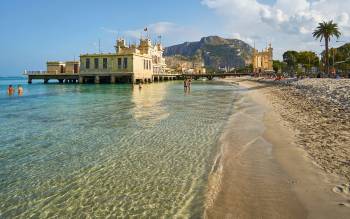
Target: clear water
[72, 151]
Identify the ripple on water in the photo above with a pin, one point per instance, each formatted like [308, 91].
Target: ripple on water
[103, 151]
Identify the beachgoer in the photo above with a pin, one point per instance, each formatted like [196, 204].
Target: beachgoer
[20, 90]
[140, 86]
[185, 85]
[10, 90]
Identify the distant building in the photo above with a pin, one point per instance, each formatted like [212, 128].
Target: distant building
[129, 63]
[63, 67]
[263, 61]
[185, 65]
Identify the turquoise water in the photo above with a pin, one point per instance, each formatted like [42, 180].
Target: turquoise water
[76, 151]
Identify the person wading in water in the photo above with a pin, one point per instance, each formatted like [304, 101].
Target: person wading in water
[10, 90]
[189, 83]
[20, 90]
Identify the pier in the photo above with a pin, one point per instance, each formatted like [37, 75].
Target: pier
[211, 76]
[46, 76]
[103, 78]
[118, 77]
[113, 78]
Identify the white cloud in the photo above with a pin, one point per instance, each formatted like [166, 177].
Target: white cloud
[287, 23]
[171, 32]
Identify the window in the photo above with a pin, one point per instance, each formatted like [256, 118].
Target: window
[125, 63]
[149, 65]
[144, 64]
[96, 62]
[119, 63]
[104, 63]
[87, 64]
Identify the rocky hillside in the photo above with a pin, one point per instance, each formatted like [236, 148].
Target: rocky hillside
[215, 51]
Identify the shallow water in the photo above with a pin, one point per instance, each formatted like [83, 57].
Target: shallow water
[109, 150]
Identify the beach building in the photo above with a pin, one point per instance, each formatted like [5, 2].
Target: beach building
[263, 61]
[130, 64]
[63, 67]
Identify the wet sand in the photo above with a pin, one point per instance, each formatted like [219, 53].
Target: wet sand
[262, 172]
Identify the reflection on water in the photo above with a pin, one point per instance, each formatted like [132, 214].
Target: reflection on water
[109, 150]
[148, 103]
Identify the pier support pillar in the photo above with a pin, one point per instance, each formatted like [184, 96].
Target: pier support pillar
[46, 81]
[113, 79]
[97, 79]
[60, 81]
[66, 81]
[81, 80]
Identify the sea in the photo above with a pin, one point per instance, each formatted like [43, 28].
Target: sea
[109, 150]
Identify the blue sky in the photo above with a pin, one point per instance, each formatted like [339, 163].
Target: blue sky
[40, 30]
[33, 32]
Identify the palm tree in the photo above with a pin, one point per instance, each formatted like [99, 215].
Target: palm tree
[326, 30]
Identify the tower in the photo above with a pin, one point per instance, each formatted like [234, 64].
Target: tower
[145, 46]
[120, 45]
[270, 57]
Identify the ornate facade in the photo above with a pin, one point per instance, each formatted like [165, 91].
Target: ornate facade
[136, 63]
[263, 61]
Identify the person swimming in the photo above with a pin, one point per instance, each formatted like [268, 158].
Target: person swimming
[10, 90]
[20, 90]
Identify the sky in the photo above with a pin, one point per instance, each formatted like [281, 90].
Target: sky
[36, 31]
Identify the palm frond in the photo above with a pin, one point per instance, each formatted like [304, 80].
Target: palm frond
[326, 30]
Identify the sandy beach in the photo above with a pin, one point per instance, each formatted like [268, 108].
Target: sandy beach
[289, 155]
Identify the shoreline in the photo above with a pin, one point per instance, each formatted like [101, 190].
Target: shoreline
[264, 172]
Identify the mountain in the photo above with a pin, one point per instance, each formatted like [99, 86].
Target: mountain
[215, 51]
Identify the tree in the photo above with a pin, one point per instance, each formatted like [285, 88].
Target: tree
[278, 66]
[308, 59]
[291, 58]
[326, 30]
[342, 59]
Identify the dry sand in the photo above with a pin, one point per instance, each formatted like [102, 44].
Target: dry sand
[263, 170]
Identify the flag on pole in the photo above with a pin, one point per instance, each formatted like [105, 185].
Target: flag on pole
[146, 29]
